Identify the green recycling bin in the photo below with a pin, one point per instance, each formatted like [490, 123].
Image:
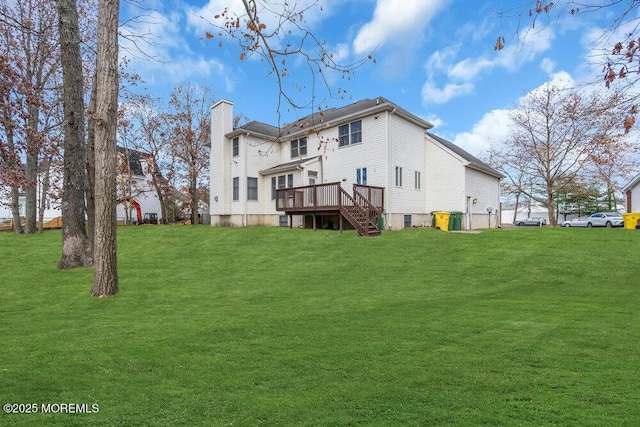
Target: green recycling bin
[455, 221]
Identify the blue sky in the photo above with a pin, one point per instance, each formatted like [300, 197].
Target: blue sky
[434, 58]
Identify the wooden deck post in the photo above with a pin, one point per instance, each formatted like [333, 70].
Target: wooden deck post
[314, 221]
[290, 221]
[341, 228]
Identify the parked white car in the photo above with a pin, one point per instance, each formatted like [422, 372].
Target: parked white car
[600, 219]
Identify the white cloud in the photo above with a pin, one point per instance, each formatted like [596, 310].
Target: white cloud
[433, 95]
[493, 126]
[159, 52]
[396, 22]
[547, 65]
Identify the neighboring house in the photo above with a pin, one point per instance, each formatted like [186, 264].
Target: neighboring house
[133, 190]
[372, 156]
[632, 193]
[136, 196]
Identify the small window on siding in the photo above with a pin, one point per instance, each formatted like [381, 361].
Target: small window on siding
[418, 181]
[398, 176]
[273, 187]
[252, 188]
[236, 189]
[236, 147]
[361, 176]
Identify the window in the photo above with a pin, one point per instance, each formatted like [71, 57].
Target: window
[361, 176]
[313, 177]
[283, 221]
[252, 188]
[236, 189]
[407, 221]
[236, 147]
[398, 176]
[417, 176]
[350, 134]
[299, 147]
[280, 182]
[274, 186]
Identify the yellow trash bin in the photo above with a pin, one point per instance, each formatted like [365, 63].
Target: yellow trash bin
[631, 220]
[442, 220]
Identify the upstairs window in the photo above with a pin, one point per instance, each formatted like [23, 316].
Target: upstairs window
[299, 147]
[350, 134]
[236, 147]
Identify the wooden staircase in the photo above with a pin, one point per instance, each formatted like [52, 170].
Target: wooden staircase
[363, 209]
[360, 213]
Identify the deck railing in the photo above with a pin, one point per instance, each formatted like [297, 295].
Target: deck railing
[309, 198]
[363, 209]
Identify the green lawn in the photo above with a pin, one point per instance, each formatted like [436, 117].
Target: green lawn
[271, 326]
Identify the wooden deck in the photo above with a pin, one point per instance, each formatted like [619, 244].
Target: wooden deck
[362, 209]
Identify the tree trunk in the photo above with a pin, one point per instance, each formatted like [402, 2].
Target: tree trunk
[105, 274]
[15, 210]
[15, 188]
[31, 193]
[91, 170]
[46, 165]
[74, 236]
[194, 201]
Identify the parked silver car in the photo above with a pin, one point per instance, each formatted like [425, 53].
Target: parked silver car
[531, 221]
[600, 219]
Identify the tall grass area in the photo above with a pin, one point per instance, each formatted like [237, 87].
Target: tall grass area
[271, 326]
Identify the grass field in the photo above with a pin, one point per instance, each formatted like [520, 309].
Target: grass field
[271, 326]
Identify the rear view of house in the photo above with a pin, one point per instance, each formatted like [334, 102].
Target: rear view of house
[365, 165]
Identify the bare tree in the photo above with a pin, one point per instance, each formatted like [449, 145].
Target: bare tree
[189, 123]
[105, 274]
[555, 134]
[74, 237]
[617, 48]
[278, 34]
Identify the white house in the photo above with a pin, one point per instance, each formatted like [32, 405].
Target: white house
[632, 193]
[134, 192]
[371, 153]
[136, 196]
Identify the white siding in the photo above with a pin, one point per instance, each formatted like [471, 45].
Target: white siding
[220, 158]
[408, 150]
[445, 180]
[484, 191]
[635, 198]
[340, 163]
[482, 188]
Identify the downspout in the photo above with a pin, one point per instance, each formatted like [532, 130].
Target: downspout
[243, 168]
[389, 169]
[468, 221]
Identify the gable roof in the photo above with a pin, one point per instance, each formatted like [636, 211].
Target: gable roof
[474, 162]
[293, 165]
[635, 181]
[328, 118]
[134, 158]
